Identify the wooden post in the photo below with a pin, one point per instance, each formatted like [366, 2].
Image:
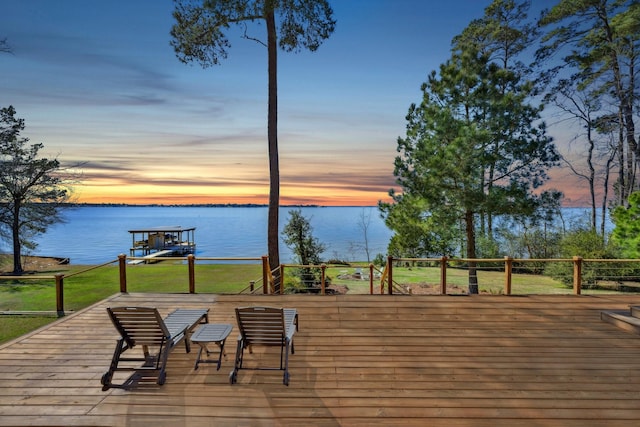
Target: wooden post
[370, 279]
[323, 269]
[192, 273]
[443, 275]
[390, 275]
[266, 274]
[508, 270]
[577, 275]
[281, 279]
[122, 265]
[60, 294]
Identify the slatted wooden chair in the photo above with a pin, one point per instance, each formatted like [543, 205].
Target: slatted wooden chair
[145, 327]
[265, 326]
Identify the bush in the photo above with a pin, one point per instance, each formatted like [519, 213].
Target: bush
[380, 260]
[585, 243]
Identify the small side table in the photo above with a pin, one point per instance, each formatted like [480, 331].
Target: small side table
[211, 333]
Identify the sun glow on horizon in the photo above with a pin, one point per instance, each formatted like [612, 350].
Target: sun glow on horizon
[289, 195]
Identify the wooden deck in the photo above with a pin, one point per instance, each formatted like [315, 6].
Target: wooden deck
[360, 361]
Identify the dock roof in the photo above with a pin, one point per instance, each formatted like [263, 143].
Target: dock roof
[162, 228]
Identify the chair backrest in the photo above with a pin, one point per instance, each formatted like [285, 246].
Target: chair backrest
[261, 325]
[139, 325]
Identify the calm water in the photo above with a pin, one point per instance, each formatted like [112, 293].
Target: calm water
[93, 235]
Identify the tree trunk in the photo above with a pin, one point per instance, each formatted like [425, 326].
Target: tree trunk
[471, 252]
[17, 248]
[605, 196]
[272, 134]
[592, 175]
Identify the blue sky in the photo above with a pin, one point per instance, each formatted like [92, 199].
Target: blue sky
[98, 83]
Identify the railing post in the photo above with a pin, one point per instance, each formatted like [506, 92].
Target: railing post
[323, 269]
[370, 279]
[443, 275]
[577, 275]
[266, 283]
[281, 279]
[60, 294]
[508, 270]
[192, 273]
[122, 266]
[390, 275]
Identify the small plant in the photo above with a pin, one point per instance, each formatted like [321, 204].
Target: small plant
[380, 260]
[298, 236]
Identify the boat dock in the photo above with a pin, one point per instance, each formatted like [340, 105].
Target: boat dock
[162, 241]
[148, 259]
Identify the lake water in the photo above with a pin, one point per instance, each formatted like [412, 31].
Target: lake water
[97, 234]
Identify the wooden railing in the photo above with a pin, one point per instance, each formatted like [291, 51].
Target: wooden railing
[387, 284]
[191, 261]
[122, 259]
[578, 268]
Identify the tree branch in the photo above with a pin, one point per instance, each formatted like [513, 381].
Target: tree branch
[246, 36]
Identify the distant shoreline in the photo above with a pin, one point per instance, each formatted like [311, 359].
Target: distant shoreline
[231, 205]
[207, 205]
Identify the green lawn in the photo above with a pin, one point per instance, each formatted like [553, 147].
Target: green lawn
[14, 326]
[96, 284]
[84, 285]
[457, 280]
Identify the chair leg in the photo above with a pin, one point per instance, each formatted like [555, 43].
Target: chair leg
[149, 359]
[108, 376]
[199, 356]
[187, 340]
[285, 376]
[163, 358]
[233, 376]
[222, 353]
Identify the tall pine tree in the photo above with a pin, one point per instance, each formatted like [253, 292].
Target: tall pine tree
[473, 146]
[199, 35]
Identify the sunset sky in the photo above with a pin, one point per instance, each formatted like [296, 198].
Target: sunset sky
[99, 85]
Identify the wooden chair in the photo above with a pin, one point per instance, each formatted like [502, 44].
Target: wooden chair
[144, 327]
[265, 326]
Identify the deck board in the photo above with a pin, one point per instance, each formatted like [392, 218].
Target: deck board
[360, 360]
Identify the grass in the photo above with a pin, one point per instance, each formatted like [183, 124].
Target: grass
[15, 326]
[84, 285]
[492, 282]
[93, 285]
[30, 294]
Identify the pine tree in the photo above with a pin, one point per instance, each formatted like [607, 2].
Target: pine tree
[31, 188]
[199, 35]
